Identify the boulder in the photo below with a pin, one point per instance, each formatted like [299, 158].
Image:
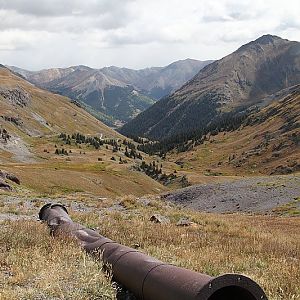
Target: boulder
[13, 178]
[184, 222]
[159, 219]
[17, 96]
[5, 175]
[5, 186]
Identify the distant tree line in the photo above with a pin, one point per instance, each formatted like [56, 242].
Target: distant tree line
[129, 149]
[61, 151]
[187, 140]
[12, 119]
[154, 170]
[77, 139]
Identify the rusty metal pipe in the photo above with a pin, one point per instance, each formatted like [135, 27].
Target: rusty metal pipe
[146, 277]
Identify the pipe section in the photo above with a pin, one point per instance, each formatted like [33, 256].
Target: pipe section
[146, 277]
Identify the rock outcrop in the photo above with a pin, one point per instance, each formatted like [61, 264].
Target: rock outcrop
[16, 96]
[4, 176]
[5, 186]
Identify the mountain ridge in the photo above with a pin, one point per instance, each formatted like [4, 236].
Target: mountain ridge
[267, 141]
[28, 112]
[117, 93]
[239, 80]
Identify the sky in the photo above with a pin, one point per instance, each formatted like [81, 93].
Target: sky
[37, 34]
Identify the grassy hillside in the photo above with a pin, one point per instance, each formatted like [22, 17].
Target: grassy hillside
[43, 112]
[84, 169]
[32, 119]
[266, 143]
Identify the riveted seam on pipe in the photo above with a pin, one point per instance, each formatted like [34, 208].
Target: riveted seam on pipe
[123, 254]
[112, 242]
[56, 218]
[144, 280]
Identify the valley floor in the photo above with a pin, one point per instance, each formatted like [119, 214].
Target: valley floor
[263, 194]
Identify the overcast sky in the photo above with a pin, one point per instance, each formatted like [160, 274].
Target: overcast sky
[36, 34]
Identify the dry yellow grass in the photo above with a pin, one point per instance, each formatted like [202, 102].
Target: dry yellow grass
[96, 178]
[80, 171]
[265, 248]
[34, 265]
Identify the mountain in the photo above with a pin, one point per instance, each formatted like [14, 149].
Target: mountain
[265, 142]
[114, 95]
[230, 85]
[158, 82]
[50, 145]
[41, 112]
[28, 112]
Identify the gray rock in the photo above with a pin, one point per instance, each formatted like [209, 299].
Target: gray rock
[17, 96]
[159, 219]
[253, 194]
[144, 201]
[184, 222]
[9, 176]
[5, 186]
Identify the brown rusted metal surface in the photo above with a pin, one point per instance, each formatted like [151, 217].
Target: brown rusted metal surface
[146, 277]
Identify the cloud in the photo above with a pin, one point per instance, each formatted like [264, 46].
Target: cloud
[64, 15]
[288, 23]
[15, 41]
[135, 33]
[42, 8]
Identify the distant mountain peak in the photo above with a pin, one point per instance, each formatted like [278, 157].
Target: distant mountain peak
[267, 38]
[239, 80]
[262, 41]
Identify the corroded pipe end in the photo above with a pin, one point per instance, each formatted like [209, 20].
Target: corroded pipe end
[171, 282]
[43, 213]
[232, 287]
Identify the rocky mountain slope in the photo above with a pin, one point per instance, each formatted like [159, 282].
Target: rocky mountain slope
[27, 112]
[32, 149]
[157, 82]
[114, 95]
[231, 84]
[243, 195]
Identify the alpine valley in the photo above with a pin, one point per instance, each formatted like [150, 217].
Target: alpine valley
[115, 95]
[195, 157]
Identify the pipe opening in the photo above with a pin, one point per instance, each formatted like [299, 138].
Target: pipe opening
[232, 293]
